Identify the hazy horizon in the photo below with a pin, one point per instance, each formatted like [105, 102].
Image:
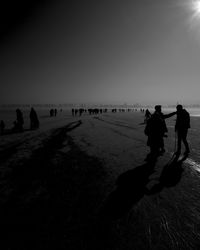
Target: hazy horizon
[139, 104]
[110, 52]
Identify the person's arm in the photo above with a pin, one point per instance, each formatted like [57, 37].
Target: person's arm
[169, 115]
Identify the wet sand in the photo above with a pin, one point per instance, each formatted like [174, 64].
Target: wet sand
[83, 183]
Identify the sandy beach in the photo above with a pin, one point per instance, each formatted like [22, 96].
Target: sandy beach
[83, 183]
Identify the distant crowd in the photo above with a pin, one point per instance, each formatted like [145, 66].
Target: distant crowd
[18, 124]
[53, 112]
[155, 126]
[96, 111]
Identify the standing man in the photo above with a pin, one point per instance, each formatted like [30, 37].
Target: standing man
[20, 120]
[155, 130]
[158, 111]
[34, 122]
[181, 127]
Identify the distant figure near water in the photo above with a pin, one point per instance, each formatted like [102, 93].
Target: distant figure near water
[181, 127]
[156, 130]
[2, 127]
[147, 115]
[34, 122]
[18, 124]
[51, 112]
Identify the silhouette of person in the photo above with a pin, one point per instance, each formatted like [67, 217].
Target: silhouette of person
[34, 122]
[2, 126]
[147, 115]
[155, 130]
[51, 112]
[158, 109]
[181, 127]
[20, 120]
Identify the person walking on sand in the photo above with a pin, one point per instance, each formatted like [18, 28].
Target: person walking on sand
[181, 128]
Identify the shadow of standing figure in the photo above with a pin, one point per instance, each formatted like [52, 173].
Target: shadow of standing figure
[170, 176]
[131, 187]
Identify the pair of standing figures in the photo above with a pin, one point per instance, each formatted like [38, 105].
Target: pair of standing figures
[156, 130]
[34, 122]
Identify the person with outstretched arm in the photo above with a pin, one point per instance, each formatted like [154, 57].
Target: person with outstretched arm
[181, 128]
[156, 130]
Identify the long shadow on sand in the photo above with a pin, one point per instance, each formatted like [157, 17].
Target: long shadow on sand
[31, 201]
[132, 186]
[170, 176]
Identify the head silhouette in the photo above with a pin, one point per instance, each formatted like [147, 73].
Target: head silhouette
[179, 107]
[158, 108]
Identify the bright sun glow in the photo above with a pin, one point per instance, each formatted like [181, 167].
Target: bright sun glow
[195, 5]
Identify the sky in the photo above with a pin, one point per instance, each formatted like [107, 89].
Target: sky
[102, 51]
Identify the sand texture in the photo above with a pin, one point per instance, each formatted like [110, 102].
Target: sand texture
[82, 182]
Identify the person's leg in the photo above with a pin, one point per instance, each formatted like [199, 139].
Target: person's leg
[184, 138]
[153, 143]
[162, 145]
[179, 138]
